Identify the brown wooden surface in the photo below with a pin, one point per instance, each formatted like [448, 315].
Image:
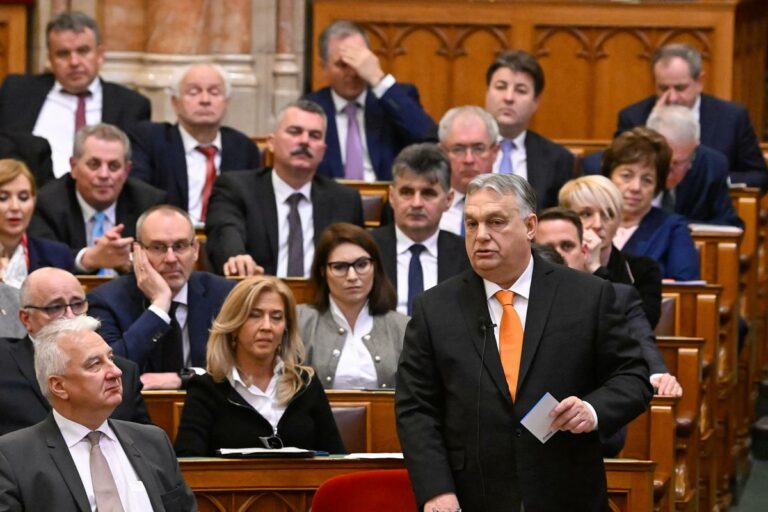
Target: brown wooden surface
[13, 39]
[375, 195]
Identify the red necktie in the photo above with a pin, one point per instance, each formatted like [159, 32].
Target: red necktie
[510, 339]
[210, 176]
[80, 112]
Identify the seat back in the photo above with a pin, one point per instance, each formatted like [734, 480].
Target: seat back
[353, 422]
[385, 490]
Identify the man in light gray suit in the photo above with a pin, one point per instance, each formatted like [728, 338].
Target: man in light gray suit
[10, 325]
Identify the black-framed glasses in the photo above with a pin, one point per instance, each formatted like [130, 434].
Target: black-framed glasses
[271, 442]
[78, 307]
[362, 266]
[159, 249]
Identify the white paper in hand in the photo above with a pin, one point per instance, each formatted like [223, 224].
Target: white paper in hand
[538, 420]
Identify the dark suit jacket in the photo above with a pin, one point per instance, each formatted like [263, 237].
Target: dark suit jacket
[132, 330]
[22, 97]
[30, 149]
[58, 215]
[22, 404]
[158, 157]
[38, 473]
[725, 127]
[392, 122]
[242, 215]
[629, 302]
[49, 253]
[549, 165]
[460, 430]
[451, 253]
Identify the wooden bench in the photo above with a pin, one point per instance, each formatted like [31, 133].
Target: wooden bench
[374, 195]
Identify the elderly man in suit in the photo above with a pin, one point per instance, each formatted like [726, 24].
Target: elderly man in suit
[77, 458]
[514, 83]
[55, 105]
[184, 159]
[160, 315]
[484, 347]
[725, 126]
[415, 252]
[371, 116]
[267, 220]
[47, 295]
[94, 208]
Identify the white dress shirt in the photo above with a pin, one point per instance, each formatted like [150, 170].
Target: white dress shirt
[282, 192]
[453, 218]
[56, 122]
[428, 259]
[263, 400]
[356, 369]
[196, 170]
[182, 313]
[109, 222]
[133, 494]
[519, 157]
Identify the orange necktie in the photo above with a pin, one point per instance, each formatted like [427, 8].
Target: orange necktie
[510, 339]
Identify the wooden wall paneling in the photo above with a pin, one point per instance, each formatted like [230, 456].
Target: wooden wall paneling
[749, 61]
[13, 39]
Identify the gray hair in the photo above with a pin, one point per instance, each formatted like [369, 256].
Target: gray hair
[339, 29]
[74, 21]
[684, 51]
[446, 123]
[101, 131]
[166, 209]
[425, 160]
[676, 122]
[180, 74]
[49, 358]
[305, 105]
[507, 184]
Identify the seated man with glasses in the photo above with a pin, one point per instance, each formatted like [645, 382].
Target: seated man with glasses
[159, 316]
[46, 295]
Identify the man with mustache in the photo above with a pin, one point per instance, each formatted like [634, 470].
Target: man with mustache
[415, 252]
[266, 220]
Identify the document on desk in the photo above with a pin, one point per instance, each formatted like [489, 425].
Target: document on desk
[287, 452]
[538, 420]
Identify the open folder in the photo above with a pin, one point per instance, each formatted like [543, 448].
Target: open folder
[281, 453]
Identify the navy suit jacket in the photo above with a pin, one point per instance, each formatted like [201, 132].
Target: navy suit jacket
[725, 127]
[159, 159]
[132, 330]
[549, 165]
[48, 253]
[392, 122]
[665, 238]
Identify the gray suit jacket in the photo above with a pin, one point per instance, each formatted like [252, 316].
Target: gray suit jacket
[10, 325]
[324, 340]
[38, 473]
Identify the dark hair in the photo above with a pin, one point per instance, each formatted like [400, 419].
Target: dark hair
[560, 213]
[683, 51]
[548, 253]
[520, 61]
[340, 29]
[639, 145]
[74, 21]
[382, 298]
[425, 160]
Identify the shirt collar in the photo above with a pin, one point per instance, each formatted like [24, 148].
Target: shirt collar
[696, 109]
[94, 87]
[339, 103]
[89, 210]
[458, 197]
[236, 378]
[283, 190]
[73, 432]
[362, 317]
[182, 296]
[190, 143]
[404, 243]
[521, 287]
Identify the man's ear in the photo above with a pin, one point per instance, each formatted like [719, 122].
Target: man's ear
[57, 388]
[531, 222]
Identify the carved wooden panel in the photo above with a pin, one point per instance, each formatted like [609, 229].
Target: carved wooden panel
[13, 39]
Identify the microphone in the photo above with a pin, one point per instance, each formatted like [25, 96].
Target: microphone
[485, 324]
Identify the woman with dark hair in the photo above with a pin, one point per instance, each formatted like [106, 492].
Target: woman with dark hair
[637, 162]
[351, 330]
[257, 392]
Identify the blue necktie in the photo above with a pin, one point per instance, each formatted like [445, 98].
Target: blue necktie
[505, 167]
[99, 218]
[415, 275]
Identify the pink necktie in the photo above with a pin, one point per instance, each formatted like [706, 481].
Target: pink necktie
[353, 168]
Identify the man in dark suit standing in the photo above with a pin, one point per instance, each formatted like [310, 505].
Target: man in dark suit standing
[77, 458]
[415, 252]
[55, 105]
[160, 315]
[184, 159]
[371, 116]
[94, 208]
[47, 295]
[267, 220]
[515, 82]
[484, 347]
[725, 126]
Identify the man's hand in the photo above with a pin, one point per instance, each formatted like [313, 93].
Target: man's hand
[663, 100]
[149, 280]
[592, 241]
[442, 503]
[166, 380]
[572, 415]
[666, 385]
[109, 251]
[242, 265]
[363, 61]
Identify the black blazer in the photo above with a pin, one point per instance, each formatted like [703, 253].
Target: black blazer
[58, 215]
[242, 215]
[22, 404]
[460, 430]
[549, 165]
[451, 253]
[22, 97]
[30, 149]
[158, 157]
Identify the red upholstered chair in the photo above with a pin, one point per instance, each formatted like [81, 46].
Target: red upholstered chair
[386, 490]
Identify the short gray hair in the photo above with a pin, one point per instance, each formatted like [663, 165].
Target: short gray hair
[425, 160]
[684, 51]
[49, 358]
[507, 184]
[306, 106]
[339, 29]
[446, 123]
[74, 21]
[181, 73]
[677, 121]
[101, 131]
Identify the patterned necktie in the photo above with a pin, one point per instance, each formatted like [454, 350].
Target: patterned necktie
[97, 231]
[415, 275]
[172, 359]
[353, 168]
[104, 487]
[295, 237]
[510, 339]
[505, 166]
[210, 176]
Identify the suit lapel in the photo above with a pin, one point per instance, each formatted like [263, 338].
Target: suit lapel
[707, 120]
[139, 465]
[37, 97]
[321, 206]
[373, 119]
[536, 165]
[446, 263]
[333, 150]
[62, 459]
[74, 220]
[177, 164]
[388, 248]
[265, 199]
[199, 319]
[23, 353]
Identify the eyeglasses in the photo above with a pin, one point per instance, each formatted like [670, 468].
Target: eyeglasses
[271, 442]
[78, 307]
[362, 266]
[459, 151]
[158, 249]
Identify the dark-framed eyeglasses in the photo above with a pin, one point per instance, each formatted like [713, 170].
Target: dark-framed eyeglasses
[271, 442]
[78, 307]
[159, 249]
[362, 266]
